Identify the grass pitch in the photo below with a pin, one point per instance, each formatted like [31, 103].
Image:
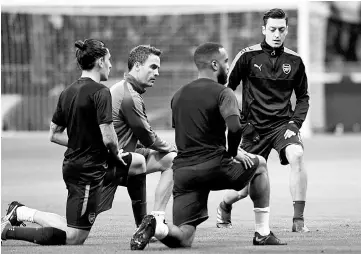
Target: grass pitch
[31, 173]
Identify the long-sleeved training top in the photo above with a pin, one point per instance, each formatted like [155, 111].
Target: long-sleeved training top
[130, 119]
[268, 76]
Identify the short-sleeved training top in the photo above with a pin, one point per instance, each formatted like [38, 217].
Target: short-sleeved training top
[82, 107]
[199, 110]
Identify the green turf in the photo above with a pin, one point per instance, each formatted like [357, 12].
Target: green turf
[31, 173]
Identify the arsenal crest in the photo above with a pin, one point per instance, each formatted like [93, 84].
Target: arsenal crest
[91, 217]
[286, 68]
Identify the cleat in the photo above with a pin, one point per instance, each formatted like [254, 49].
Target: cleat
[11, 214]
[144, 233]
[299, 226]
[223, 218]
[5, 225]
[269, 239]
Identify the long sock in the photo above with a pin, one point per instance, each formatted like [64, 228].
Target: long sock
[171, 242]
[161, 229]
[262, 220]
[42, 236]
[24, 213]
[299, 207]
[137, 190]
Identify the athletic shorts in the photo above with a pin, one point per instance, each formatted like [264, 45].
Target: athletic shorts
[87, 199]
[275, 140]
[192, 185]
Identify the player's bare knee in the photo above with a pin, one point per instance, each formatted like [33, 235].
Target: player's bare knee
[76, 236]
[261, 165]
[294, 154]
[167, 161]
[138, 164]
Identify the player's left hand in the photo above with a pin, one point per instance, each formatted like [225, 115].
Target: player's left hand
[291, 130]
[121, 154]
[245, 158]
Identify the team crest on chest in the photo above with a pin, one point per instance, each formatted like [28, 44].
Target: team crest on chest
[286, 68]
[91, 217]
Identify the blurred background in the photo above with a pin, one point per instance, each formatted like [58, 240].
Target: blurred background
[38, 54]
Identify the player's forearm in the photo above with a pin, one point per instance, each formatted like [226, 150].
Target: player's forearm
[110, 138]
[60, 139]
[58, 135]
[301, 109]
[234, 134]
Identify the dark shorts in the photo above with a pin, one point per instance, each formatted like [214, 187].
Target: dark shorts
[192, 185]
[87, 199]
[275, 140]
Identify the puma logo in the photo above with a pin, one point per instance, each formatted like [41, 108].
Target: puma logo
[259, 67]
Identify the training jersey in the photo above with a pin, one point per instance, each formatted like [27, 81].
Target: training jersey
[267, 77]
[130, 119]
[199, 110]
[81, 108]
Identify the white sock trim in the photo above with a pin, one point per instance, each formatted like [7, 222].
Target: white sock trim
[260, 210]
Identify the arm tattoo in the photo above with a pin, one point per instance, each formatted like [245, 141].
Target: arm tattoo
[56, 128]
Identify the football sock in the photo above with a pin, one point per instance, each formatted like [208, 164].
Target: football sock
[262, 220]
[161, 229]
[299, 207]
[226, 207]
[137, 186]
[42, 236]
[24, 213]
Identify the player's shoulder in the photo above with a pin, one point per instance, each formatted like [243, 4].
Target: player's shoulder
[291, 53]
[116, 86]
[250, 49]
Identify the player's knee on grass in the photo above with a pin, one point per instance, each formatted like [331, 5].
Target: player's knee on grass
[294, 153]
[75, 236]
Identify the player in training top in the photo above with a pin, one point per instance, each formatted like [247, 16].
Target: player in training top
[266, 74]
[201, 110]
[134, 131]
[93, 165]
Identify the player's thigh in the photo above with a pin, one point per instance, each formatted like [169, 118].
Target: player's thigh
[233, 175]
[157, 161]
[190, 194]
[263, 147]
[294, 144]
[190, 207]
[82, 204]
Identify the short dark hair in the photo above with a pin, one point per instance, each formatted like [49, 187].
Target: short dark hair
[140, 54]
[275, 13]
[205, 53]
[88, 51]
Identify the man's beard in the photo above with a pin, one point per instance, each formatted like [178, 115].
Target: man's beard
[222, 77]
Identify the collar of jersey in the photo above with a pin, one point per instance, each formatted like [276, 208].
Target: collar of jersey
[137, 86]
[271, 51]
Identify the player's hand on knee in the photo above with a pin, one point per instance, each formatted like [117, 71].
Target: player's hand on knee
[122, 154]
[244, 158]
[291, 130]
